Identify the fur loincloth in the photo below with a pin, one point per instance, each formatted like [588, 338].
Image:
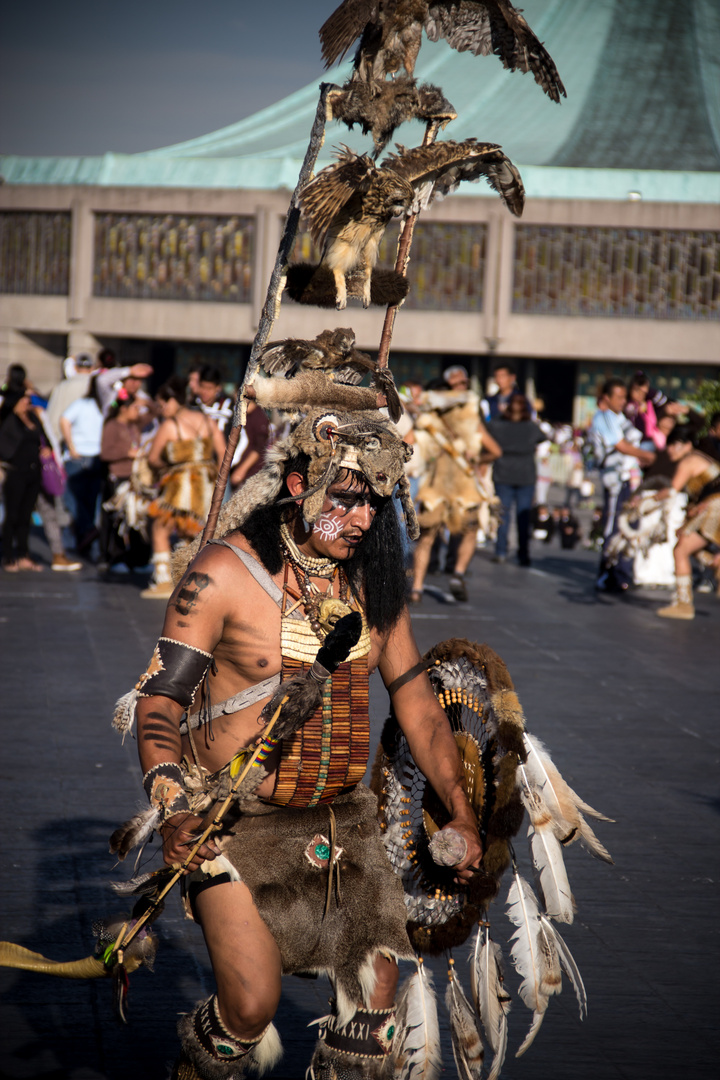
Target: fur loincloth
[448, 495]
[186, 488]
[707, 522]
[274, 852]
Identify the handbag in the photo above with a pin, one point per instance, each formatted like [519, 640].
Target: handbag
[53, 478]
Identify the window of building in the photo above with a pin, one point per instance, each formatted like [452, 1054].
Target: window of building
[617, 273]
[35, 253]
[174, 257]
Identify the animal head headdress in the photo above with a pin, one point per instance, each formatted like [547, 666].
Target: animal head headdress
[365, 442]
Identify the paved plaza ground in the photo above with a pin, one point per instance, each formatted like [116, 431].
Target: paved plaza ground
[627, 703]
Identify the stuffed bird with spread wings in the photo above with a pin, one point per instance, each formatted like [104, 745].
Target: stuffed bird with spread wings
[350, 203]
[390, 33]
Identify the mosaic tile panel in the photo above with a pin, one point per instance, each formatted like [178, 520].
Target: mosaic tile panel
[617, 273]
[174, 257]
[35, 253]
[447, 264]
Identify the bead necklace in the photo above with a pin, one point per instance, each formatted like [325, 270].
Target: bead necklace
[324, 568]
[322, 609]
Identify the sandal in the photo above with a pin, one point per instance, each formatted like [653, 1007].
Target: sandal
[28, 564]
[10, 567]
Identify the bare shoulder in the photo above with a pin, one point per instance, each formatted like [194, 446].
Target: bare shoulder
[217, 577]
[206, 586]
[214, 569]
[701, 460]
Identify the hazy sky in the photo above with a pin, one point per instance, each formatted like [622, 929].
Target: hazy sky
[86, 76]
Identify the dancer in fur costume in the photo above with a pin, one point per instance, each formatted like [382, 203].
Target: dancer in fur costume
[289, 883]
[699, 476]
[186, 452]
[452, 490]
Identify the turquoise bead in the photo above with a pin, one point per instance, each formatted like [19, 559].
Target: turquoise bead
[322, 851]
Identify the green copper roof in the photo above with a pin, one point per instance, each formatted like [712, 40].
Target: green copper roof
[642, 114]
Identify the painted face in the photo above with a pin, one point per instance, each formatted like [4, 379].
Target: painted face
[348, 513]
[328, 526]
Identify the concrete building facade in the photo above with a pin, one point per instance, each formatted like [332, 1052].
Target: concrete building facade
[614, 265]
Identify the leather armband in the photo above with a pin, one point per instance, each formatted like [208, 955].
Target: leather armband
[175, 671]
[165, 788]
[408, 676]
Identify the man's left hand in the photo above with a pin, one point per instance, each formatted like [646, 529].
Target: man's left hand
[465, 869]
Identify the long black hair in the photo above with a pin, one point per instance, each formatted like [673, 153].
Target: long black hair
[93, 392]
[377, 568]
[682, 433]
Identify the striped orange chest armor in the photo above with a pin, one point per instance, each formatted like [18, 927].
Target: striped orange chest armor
[329, 754]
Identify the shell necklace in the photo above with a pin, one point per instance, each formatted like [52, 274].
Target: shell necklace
[322, 568]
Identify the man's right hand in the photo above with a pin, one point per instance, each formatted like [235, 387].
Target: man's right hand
[180, 833]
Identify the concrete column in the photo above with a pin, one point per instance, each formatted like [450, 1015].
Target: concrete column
[503, 308]
[492, 280]
[81, 341]
[260, 276]
[81, 259]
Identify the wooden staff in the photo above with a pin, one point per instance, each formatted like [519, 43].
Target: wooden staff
[270, 309]
[401, 262]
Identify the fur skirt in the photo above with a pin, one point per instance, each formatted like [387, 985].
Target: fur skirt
[707, 522]
[186, 488]
[283, 856]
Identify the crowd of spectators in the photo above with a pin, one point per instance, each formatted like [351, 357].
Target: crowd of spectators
[117, 477]
[114, 476]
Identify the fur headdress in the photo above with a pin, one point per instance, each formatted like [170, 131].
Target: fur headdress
[364, 442]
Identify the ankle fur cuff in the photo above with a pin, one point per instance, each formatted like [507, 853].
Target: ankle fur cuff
[329, 1064]
[230, 1057]
[369, 1034]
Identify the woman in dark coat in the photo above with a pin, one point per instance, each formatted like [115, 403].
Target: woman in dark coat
[20, 449]
[514, 474]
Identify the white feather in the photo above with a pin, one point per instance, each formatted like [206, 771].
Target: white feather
[418, 1056]
[468, 1049]
[124, 713]
[550, 875]
[541, 783]
[590, 842]
[135, 832]
[492, 1001]
[534, 955]
[567, 962]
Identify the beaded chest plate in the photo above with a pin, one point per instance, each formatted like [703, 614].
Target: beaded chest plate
[329, 754]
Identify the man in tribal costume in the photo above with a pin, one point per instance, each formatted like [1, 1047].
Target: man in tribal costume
[312, 536]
